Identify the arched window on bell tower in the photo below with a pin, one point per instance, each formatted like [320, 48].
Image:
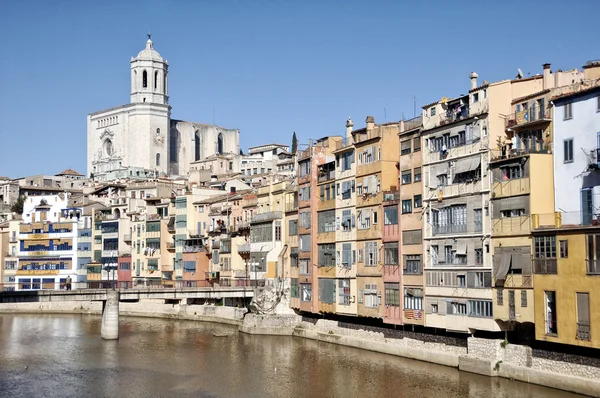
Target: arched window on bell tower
[145, 79]
[197, 145]
[156, 81]
[220, 144]
[158, 159]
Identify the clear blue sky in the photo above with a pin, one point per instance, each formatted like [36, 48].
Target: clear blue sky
[266, 67]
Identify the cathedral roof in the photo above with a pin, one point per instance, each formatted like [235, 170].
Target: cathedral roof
[149, 52]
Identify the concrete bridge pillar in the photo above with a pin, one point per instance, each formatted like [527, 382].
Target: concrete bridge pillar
[110, 316]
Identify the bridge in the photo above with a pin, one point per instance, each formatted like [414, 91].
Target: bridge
[111, 298]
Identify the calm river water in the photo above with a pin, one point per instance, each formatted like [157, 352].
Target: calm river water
[64, 356]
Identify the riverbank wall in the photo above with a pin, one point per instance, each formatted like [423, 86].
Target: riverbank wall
[494, 358]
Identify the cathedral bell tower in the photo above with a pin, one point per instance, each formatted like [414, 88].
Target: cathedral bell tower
[149, 77]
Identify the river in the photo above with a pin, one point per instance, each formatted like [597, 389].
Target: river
[64, 356]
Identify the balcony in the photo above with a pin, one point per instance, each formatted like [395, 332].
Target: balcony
[326, 204]
[545, 266]
[245, 248]
[305, 154]
[449, 229]
[291, 206]
[528, 117]
[511, 225]
[170, 246]
[193, 249]
[413, 123]
[268, 216]
[463, 148]
[391, 196]
[508, 188]
[461, 188]
[344, 143]
[127, 238]
[508, 152]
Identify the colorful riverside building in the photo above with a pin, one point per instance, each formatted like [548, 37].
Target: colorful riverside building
[522, 185]
[47, 247]
[566, 243]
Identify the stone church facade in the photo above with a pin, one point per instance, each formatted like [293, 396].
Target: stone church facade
[140, 139]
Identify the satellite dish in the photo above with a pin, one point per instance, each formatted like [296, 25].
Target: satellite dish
[519, 73]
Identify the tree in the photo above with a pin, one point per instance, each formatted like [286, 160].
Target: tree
[17, 207]
[294, 143]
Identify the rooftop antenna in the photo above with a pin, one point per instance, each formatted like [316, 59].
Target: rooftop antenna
[384, 114]
[214, 117]
[149, 35]
[519, 73]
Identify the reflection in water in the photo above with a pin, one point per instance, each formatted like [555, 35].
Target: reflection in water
[58, 356]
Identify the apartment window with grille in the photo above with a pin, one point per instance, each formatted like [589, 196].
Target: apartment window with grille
[344, 292]
[434, 251]
[371, 254]
[442, 180]
[390, 253]
[413, 299]
[417, 174]
[432, 111]
[392, 294]
[278, 230]
[416, 144]
[326, 221]
[406, 206]
[461, 280]
[545, 255]
[512, 172]
[550, 312]
[304, 267]
[327, 290]
[412, 264]
[364, 219]
[294, 288]
[568, 111]
[348, 255]
[524, 298]
[303, 168]
[480, 308]
[326, 255]
[500, 296]
[304, 193]
[568, 150]
[293, 227]
[564, 248]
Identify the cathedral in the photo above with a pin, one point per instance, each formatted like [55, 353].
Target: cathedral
[140, 140]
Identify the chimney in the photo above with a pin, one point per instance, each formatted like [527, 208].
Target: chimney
[370, 123]
[349, 125]
[473, 76]
[547, 77]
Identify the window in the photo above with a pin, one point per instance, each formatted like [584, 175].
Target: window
[305, 241]
[449, 219]
[545, 246]
[405, 147]
[412, 264]
[293, 227]
[304, 267]
[568, 111]
[261, 233]
[344, 292]
[406, 206]
[326, 255]
[390, 215]
[364, 219]
[370, 296]
[457, 309]
[568, 150]
[524, 298]
[416, 144]
[304, 169]
[390, 253]
[598, 103]
[432, 111]
[512, 172]
[550, 304]
[406, 175]
[593, 254]
[306, 292]
[346, 160]
[434, 308]
[478, 220]
[348, 220]
[304, 218]
[418, 202]
[371, 254]
[375, 217]
[413, 299]
[327, 290]
[442, 180]
[512, 213]
[480, 308]
[144, 79]
[583, 316]
[564, 248]
[475, 97]
[326, 221]
[158, 159]
[461, 280]
[417, 174]
[348, 255]
[294, 288]
[304, 193]
[478, 256]
[392, 294]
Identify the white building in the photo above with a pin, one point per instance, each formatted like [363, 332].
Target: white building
[263, 159]
[576, 121]
[141, 135]
[47, 243]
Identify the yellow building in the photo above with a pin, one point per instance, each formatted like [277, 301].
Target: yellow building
[566, 265]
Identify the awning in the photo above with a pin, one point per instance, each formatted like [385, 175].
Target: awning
[415, 292]
[504, 267]
[461, 247]
[466, 165]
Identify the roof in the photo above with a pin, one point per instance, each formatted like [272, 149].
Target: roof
[525, 97]
[70, 172]
[201, 124]
[149, 52]
[266, 145]
[573, 94]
